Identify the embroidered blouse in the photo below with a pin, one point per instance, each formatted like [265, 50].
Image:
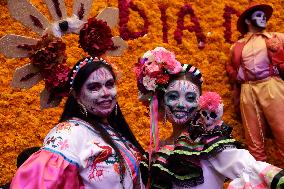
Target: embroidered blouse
[201, 160]
[74, 155]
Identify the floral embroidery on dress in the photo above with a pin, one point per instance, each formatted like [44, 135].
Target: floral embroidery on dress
[57, 142]
[53, 141]
[104, 155]
[116, 167]
[64, 126]
[63, 144]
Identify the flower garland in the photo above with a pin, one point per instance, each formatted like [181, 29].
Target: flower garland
[163, 9]
[187, 9]
[228, 11]
[49, 56]
[124, 12]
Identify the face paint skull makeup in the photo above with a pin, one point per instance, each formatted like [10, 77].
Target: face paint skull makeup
[211, 118]
[98, 93]
[211, 109]
[181, 101]
[258, 19]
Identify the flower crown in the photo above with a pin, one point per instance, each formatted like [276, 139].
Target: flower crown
[154, 69]
[153, 72]
[83, 63]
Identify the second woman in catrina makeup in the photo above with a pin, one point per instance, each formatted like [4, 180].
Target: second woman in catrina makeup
[200, 153]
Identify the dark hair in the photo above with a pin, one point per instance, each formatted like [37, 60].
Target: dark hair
[245, 25]
[116, 119]
[25, 154]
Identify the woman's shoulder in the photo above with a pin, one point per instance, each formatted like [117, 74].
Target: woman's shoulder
[73, 139]
[73, 131]
[73, 126]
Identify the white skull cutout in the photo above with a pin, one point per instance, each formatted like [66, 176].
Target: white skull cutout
[211, 109]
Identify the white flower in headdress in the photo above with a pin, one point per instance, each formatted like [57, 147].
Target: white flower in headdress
[149, 56]
[23, 11]
[149, 83]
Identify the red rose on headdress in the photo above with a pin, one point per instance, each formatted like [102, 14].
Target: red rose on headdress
[95, 37]
[162, 79]
[56, 79]
[48, 52]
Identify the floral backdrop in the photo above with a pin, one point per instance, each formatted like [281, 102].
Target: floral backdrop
[199, 32]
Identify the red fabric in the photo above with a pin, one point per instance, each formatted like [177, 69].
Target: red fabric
[232, 67]
[275, 52]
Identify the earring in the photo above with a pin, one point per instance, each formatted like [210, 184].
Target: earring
[83, 109]
[115, 109]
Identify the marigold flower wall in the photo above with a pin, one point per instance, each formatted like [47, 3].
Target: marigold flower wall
[202, 38]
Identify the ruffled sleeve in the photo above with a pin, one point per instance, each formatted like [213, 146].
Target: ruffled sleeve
[58, 163]
[245, 172]
[47, 170]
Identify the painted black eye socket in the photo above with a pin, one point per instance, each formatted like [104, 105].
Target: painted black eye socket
[191, 97]
[204, 113]
[172, 96]
[94, 86]
[110, 84]
[213, 115]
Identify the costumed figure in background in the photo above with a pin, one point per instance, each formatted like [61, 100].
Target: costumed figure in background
[92, 146]
[255, 67]
[201, 152]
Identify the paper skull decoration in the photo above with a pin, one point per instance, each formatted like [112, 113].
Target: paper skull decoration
[210, 107]
[11, 45]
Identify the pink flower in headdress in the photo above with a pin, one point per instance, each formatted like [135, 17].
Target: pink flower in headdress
[151, 68]
[139, 66]
[149, 83]
[210, 101]
[168, 58]
[154, 68]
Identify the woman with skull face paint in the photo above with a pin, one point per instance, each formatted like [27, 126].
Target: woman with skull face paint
[255, 68]
[200, 153]
[92, 146]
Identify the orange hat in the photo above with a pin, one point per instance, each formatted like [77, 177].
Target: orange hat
[241, 25]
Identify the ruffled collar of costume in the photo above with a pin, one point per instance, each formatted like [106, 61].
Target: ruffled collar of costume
[180, 163]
